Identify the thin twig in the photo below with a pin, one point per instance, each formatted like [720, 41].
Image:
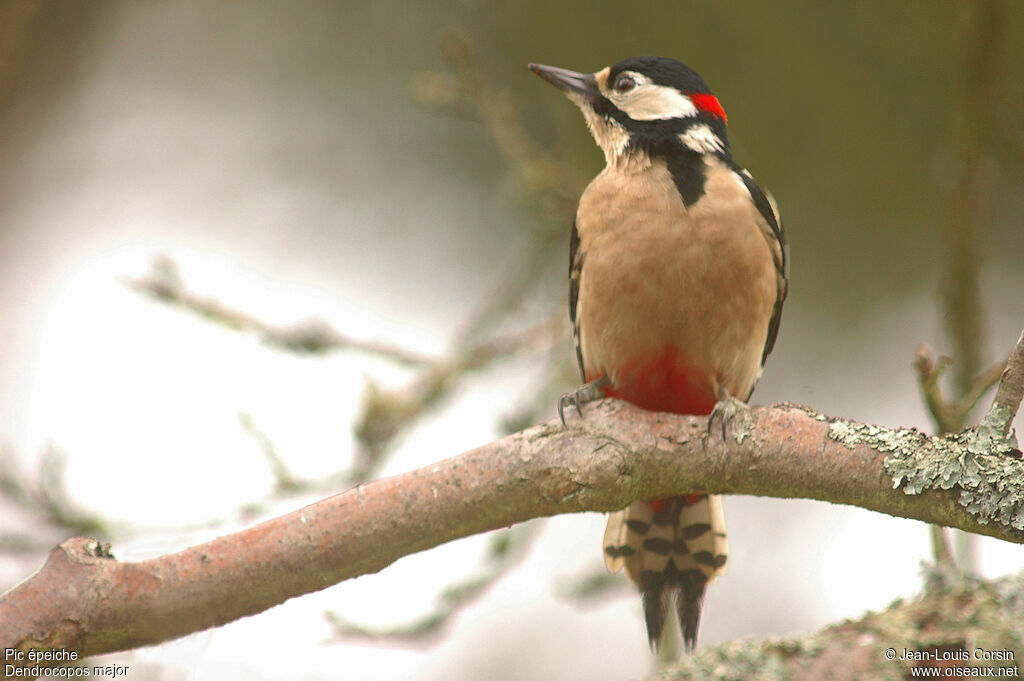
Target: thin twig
[164, 283]
[386, 413]
[1011, 387]
[951, 415]
[994, 429]
[46, 497]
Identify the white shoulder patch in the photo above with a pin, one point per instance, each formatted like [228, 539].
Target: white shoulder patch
[701, 139]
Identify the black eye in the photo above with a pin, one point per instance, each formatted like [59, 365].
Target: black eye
[625, 84]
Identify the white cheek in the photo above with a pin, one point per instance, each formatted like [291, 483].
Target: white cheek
[656, 102]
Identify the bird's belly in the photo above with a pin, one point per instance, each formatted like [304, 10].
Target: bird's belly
[672, 318]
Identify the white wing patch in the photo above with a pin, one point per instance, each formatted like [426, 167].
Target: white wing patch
[701, 139]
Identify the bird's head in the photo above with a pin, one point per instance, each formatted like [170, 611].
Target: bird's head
[645, 103]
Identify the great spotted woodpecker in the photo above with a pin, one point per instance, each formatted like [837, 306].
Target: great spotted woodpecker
[678, 272]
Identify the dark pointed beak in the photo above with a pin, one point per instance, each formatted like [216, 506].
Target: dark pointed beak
[570, 82]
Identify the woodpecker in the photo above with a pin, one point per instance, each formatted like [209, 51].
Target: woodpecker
[677, 275]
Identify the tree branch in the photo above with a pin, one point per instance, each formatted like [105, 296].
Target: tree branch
[84, 600]
[1011, 390]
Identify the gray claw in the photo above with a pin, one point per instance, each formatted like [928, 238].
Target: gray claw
[565, 399]
[725, 409]
[585, 393]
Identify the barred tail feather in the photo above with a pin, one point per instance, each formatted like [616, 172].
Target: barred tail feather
[672, 549]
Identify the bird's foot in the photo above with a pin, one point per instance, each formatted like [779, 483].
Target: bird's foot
[725, 409]
[588, 392]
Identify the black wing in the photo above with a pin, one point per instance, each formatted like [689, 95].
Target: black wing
[575, 268]
[764, 206]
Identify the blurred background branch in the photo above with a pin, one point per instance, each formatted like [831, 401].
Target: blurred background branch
[44, 497]
[505, 549]
[164, 283]
[979, 106]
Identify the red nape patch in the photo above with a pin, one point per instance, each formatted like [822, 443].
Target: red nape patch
[666, 381]
[709, 104]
